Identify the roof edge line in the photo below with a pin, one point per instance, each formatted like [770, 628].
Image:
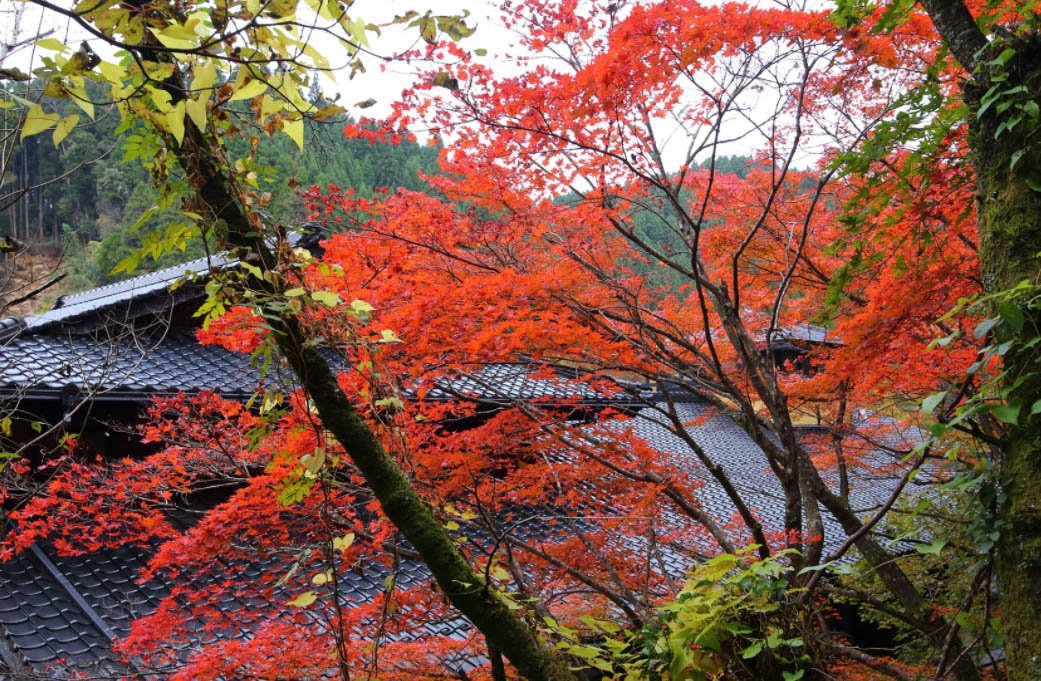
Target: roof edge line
[71, 590]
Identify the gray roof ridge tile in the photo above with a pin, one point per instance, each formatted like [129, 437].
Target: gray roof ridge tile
[166, 274]
[74, 305]
[44, 560]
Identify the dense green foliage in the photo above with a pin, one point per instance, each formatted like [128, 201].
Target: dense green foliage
[86, 198]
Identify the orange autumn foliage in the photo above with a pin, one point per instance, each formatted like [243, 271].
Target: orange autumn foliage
[565, 231]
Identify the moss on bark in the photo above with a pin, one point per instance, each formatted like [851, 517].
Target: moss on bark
[1009, 215]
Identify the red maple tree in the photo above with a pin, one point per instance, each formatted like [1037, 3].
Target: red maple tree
[583, 221]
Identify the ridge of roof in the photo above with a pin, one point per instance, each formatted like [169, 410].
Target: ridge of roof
[10, 327]
[73, 305]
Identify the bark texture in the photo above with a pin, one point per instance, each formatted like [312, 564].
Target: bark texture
[1009, 214]
[1009, 218]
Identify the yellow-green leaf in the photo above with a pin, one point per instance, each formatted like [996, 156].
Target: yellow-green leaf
[196, 110]
[52, 44]
[161, 98]
[295, 131]
[37, 120]
[176, 37]
[314, 462]
[249, 90]
[361, 307]
[64, 127]
[205, 75]
[303, 600]
[175, 121]
[80, 98]
[268, 106]
[317, 57]
[343, 543]
[113, 73]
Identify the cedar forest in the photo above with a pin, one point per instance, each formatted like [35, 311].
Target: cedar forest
[581, 215]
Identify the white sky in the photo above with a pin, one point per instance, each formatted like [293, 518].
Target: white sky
[382, 85]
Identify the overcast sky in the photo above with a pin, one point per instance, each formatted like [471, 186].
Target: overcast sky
[380, 84]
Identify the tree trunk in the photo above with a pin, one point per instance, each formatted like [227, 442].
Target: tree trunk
[1009, 220]
[1009, 214]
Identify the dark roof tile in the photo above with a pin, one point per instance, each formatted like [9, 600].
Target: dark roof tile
[34, 365]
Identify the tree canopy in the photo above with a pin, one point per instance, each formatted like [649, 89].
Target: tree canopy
[587, 216]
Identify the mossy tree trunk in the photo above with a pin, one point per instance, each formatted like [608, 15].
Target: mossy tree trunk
[1007, 166]
[1009, 214]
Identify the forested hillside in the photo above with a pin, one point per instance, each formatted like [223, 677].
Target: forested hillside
[83, 198]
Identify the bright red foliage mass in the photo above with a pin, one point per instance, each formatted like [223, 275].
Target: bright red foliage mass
[584, 219]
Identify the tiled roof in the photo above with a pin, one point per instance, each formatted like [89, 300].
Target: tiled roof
[42, 622]
[41, 365]
[729, 446]
[504, 383]
[72, 608]
[127, 365]
[121, 294]
[66, 611]
[75, 614]
[808, 333]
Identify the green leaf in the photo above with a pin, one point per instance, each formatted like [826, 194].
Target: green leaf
[752, 650]
[1007, 413]
[584, 652]
[1011, 315]
[327, 298]
[985, 326]
[930, 403]
[1031, 109]
[933, 549]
